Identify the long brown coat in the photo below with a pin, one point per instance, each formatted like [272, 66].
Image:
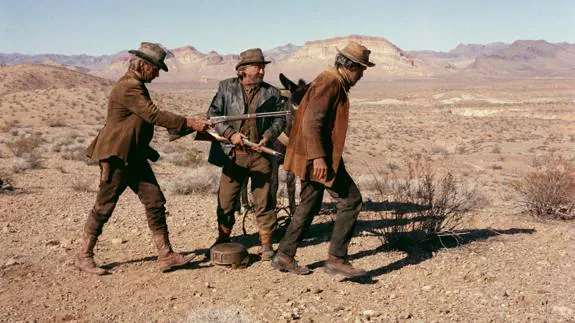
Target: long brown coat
[319, 128]
[130, 122]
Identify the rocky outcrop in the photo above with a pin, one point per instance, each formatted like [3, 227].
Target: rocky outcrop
[528, 58]
[390, 60]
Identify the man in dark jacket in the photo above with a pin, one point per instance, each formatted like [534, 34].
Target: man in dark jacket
[122, 149]
[314, 154]
[247, 93]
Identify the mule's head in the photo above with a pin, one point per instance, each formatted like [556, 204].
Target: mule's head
[297, 90]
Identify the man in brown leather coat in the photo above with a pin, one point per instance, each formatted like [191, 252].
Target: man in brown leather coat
[247, 93]
[314, 154]
[122, 149]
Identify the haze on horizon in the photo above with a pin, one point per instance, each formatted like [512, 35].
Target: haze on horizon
[107, 27]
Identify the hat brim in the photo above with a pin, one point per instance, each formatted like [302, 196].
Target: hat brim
[366, 64]
[150, 59]
[251, 62]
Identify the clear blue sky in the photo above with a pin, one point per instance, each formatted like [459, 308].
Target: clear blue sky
[98, 27]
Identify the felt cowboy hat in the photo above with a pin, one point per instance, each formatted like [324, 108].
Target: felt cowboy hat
[251, 56]
[151, 52]
[357, 53]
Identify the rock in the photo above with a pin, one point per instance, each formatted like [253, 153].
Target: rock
[11, 262]
[117, 241]
[317, 290]
[405, 316]
[369, 313]
[52, 243]
[426, 288]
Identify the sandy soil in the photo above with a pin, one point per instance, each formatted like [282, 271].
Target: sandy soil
[506, 266]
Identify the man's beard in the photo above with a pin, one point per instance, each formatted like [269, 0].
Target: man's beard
[254, 79]
[147, 76]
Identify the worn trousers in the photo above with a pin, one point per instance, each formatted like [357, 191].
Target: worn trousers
[140, 177]
[274, 186]
[348, 203]
[252, 165]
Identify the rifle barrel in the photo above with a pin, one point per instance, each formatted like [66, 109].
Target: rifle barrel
[217, 119]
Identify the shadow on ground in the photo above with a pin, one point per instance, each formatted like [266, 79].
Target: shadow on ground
[420, 252]
[417, 246]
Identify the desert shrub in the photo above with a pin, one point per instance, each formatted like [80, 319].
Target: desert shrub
[231, 314]
[5, 182]
[548, 192]
[56, 121]
[60, 142]
[186, 158]
[24, 145]
[81, 184]
[426, 202]
[203, 179]
[74, 152]
[439, 150]
[28, 160]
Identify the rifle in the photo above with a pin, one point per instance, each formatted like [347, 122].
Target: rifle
[174, 134]
[210, 135]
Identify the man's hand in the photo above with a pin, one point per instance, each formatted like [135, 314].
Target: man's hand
[262, 143]
[319, 168]
[236, 139]
[198, 124]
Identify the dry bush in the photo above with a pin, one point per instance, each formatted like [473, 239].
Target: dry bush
[28, 160]
[59, 142]
[231, 314]
[81, 184]
[56, 121]
[74, 152]
[548, 192]
[426, 203]
[203, 179]
[187, 158]
[24, 145]
[5, 182]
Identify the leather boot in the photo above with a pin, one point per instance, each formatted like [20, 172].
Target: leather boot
[167, 258]
[223, 237]
[267, 249]
[342, 267]
[85, 259]
[283, 262]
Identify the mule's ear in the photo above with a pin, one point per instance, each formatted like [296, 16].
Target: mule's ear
[301, 83]
[287, 83]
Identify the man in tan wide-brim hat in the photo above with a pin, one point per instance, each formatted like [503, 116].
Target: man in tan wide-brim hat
[122, 149]
[314, 154]
[246, 93]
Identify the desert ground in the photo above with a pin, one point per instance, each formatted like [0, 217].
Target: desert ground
[499, 264]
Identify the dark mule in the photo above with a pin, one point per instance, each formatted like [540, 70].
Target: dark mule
[296, 93]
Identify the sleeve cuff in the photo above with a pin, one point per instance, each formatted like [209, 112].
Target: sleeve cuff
[229, 132]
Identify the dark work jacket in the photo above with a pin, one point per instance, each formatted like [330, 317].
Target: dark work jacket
[229, 101]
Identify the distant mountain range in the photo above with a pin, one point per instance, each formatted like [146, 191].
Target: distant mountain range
[522, 58]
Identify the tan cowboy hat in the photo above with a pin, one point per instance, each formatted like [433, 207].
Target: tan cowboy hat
[251, 56]
[153, 53]
[357, 53]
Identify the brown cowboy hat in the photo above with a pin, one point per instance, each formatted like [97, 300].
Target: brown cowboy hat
[357, 53]
[251, 56]
[153, 53]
